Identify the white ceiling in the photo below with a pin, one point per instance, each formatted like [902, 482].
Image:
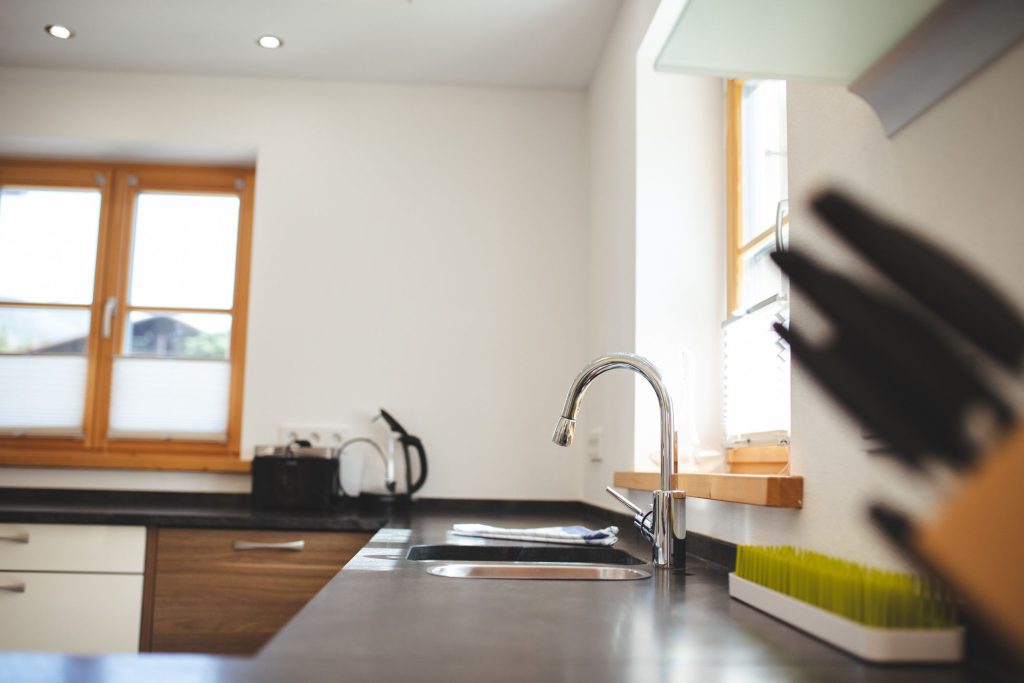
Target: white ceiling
[525, 43]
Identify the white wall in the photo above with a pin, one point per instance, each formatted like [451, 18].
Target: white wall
[421, 249]
[680, 243]
[612, 271]
[956, 174]
[657, 242]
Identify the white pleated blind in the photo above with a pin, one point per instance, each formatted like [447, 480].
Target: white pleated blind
[169, 399]
[42, 394]
[756, 382]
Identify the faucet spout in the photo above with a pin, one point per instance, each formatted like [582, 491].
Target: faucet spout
[640, 365]
[667, 529]
[564, 431]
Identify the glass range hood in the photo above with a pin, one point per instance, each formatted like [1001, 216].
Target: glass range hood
[901, 56]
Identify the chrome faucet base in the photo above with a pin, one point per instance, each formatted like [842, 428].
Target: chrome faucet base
[668, 543]
[669, 517]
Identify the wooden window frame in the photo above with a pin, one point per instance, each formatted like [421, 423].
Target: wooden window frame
[735, 247]
[120, 184]
[754, 459]
[733, 191]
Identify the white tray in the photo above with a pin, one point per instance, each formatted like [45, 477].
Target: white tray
[870, 644]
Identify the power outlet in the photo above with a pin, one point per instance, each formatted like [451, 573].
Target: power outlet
[594, 450]
[319, 435]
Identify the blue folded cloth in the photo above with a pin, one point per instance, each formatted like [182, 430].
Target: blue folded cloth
[573, 535]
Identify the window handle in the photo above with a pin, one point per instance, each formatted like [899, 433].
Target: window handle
[109, 309]
[781, 210]
[13, 587]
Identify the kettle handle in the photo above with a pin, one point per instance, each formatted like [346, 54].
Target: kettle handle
[408, 440]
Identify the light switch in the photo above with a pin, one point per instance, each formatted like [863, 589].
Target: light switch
[594, 451]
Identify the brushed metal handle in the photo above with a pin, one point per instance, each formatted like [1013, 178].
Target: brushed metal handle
[625, 501]
[13, 587]
[109, 309]
[16, 537]
[781, 209]
[286, 545]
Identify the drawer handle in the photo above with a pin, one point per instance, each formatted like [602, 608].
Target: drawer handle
[13, 587]
[16, 537]
[286, 545]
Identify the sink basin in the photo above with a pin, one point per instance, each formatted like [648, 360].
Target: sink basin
[520, 553]
[556, 572]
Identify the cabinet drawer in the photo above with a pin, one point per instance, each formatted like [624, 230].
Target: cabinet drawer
[72, 548]
[229, 591]
[73, 613]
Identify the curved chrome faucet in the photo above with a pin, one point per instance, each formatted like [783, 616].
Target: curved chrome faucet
[665, 525]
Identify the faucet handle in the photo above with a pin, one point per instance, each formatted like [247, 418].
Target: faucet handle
[641, 519]
[625, 501]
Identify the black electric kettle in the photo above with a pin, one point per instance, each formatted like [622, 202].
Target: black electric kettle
[407, 441]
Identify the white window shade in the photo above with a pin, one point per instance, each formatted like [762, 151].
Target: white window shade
[42, 395]
[756, 382]
[156, 398]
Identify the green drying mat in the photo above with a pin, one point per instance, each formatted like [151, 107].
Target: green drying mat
[873, 614]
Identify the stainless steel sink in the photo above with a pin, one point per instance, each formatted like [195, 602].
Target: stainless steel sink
[557, 572]
[522, 553]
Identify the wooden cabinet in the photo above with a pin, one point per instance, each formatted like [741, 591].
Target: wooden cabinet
[71, 588]
[229, 591]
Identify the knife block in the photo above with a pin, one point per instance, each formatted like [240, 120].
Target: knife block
[976, 541]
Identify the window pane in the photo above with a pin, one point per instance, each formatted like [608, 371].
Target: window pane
[43, 330]
[42, 394]
[183, 250]
[760, 278]
[48, 245]
[159, 398]
[178, 335]
[763, 131]
[756, 369]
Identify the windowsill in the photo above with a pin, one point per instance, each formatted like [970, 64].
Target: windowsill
[769, 490]
[180, 462]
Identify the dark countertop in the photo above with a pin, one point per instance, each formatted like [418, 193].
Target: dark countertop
[383, 618]
[198, 510]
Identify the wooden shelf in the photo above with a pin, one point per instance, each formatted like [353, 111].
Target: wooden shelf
[771, 490]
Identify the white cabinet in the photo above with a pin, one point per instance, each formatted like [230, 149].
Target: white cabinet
[71, 588]
[66, 612]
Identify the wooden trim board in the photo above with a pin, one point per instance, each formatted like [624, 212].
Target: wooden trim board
[733, 191]
[758, 454]
[752, 489]
[758, 460]
[128, 461]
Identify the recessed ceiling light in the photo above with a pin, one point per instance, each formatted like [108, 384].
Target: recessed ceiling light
[269, 42]
[58, 31]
